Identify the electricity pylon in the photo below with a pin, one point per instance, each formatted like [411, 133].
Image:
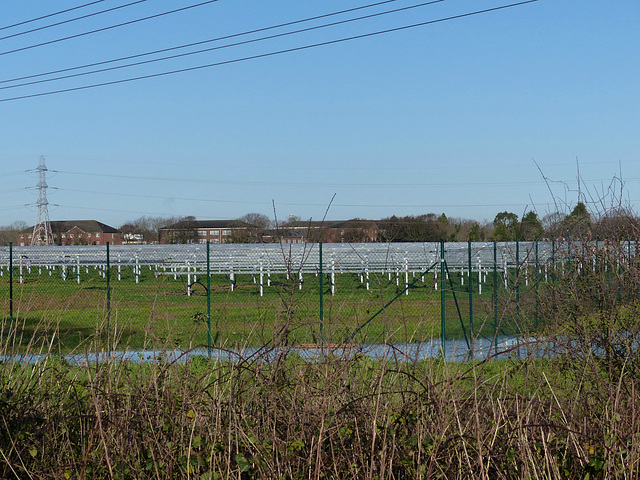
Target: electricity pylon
[42, 234]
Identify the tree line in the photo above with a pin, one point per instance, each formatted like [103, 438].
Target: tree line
[506, 226]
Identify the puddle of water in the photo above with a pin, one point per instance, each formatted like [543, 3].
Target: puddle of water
[455, 350]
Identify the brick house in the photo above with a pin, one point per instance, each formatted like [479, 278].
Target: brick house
[236, 231]
[77, 232]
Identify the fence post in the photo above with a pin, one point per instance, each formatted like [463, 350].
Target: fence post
[537, 280]
[470, 300]
[553, 268]
[108, 301]
[629, 265]
[495, 296]
[10, 284]
[321, 300]
[635, 260]
[208, 300]
[442, 300]
[518, 295]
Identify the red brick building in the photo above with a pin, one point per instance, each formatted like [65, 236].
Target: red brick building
[77, 232]
[236, 231]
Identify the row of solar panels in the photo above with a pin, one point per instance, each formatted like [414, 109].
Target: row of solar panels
[306, 257]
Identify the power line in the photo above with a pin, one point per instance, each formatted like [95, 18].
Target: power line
[50, 15]
[299, 204]
[20, 172]
[158, 197]
[63, 22]
[14, 190]
[235, 201]
[15, 207]
[342, 167]
[269, 37]
[293, 184]
[269, 54]
[187, 45]
[112, 210]
[110, 27]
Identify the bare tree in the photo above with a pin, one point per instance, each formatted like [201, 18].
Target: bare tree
[149, 227]
[9, 234]
[258, 220]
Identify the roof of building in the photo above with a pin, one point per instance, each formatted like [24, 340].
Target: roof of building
[282, 234]
[207, 224]
[289, 234]
[87, 226]
[313, 224]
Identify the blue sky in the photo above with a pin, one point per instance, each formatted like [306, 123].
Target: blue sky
[447, 117]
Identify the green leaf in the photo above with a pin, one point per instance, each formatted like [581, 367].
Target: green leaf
[211, 476]
[242, 462]
[297, 445]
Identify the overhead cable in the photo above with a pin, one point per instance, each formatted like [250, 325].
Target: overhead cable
[63, 22]
[234, 201]
[49, 15]
[291, 184]
[268, 54]
[187, 45]
[229, 45]
[110, 27]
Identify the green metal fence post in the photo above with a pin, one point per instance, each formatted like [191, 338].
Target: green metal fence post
[108, 301]
[635, 261]
[495, 296]
[321, 301]
[518, 296]
[629, 265]
[517, 286]
[537, 282]
[10, 284]
[471, 333]
[208, 300]
[442, 300]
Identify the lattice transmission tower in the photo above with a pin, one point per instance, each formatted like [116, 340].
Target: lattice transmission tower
[42, 234]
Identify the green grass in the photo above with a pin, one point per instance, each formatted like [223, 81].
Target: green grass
[157, 308]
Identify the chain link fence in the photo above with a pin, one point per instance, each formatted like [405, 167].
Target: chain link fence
[457, 298]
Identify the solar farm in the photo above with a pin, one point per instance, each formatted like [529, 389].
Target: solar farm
[398, 259]
[249, 294]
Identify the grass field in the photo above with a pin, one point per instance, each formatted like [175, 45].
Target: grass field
[156, 307]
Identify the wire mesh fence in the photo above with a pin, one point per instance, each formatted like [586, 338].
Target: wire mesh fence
[470, 295]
